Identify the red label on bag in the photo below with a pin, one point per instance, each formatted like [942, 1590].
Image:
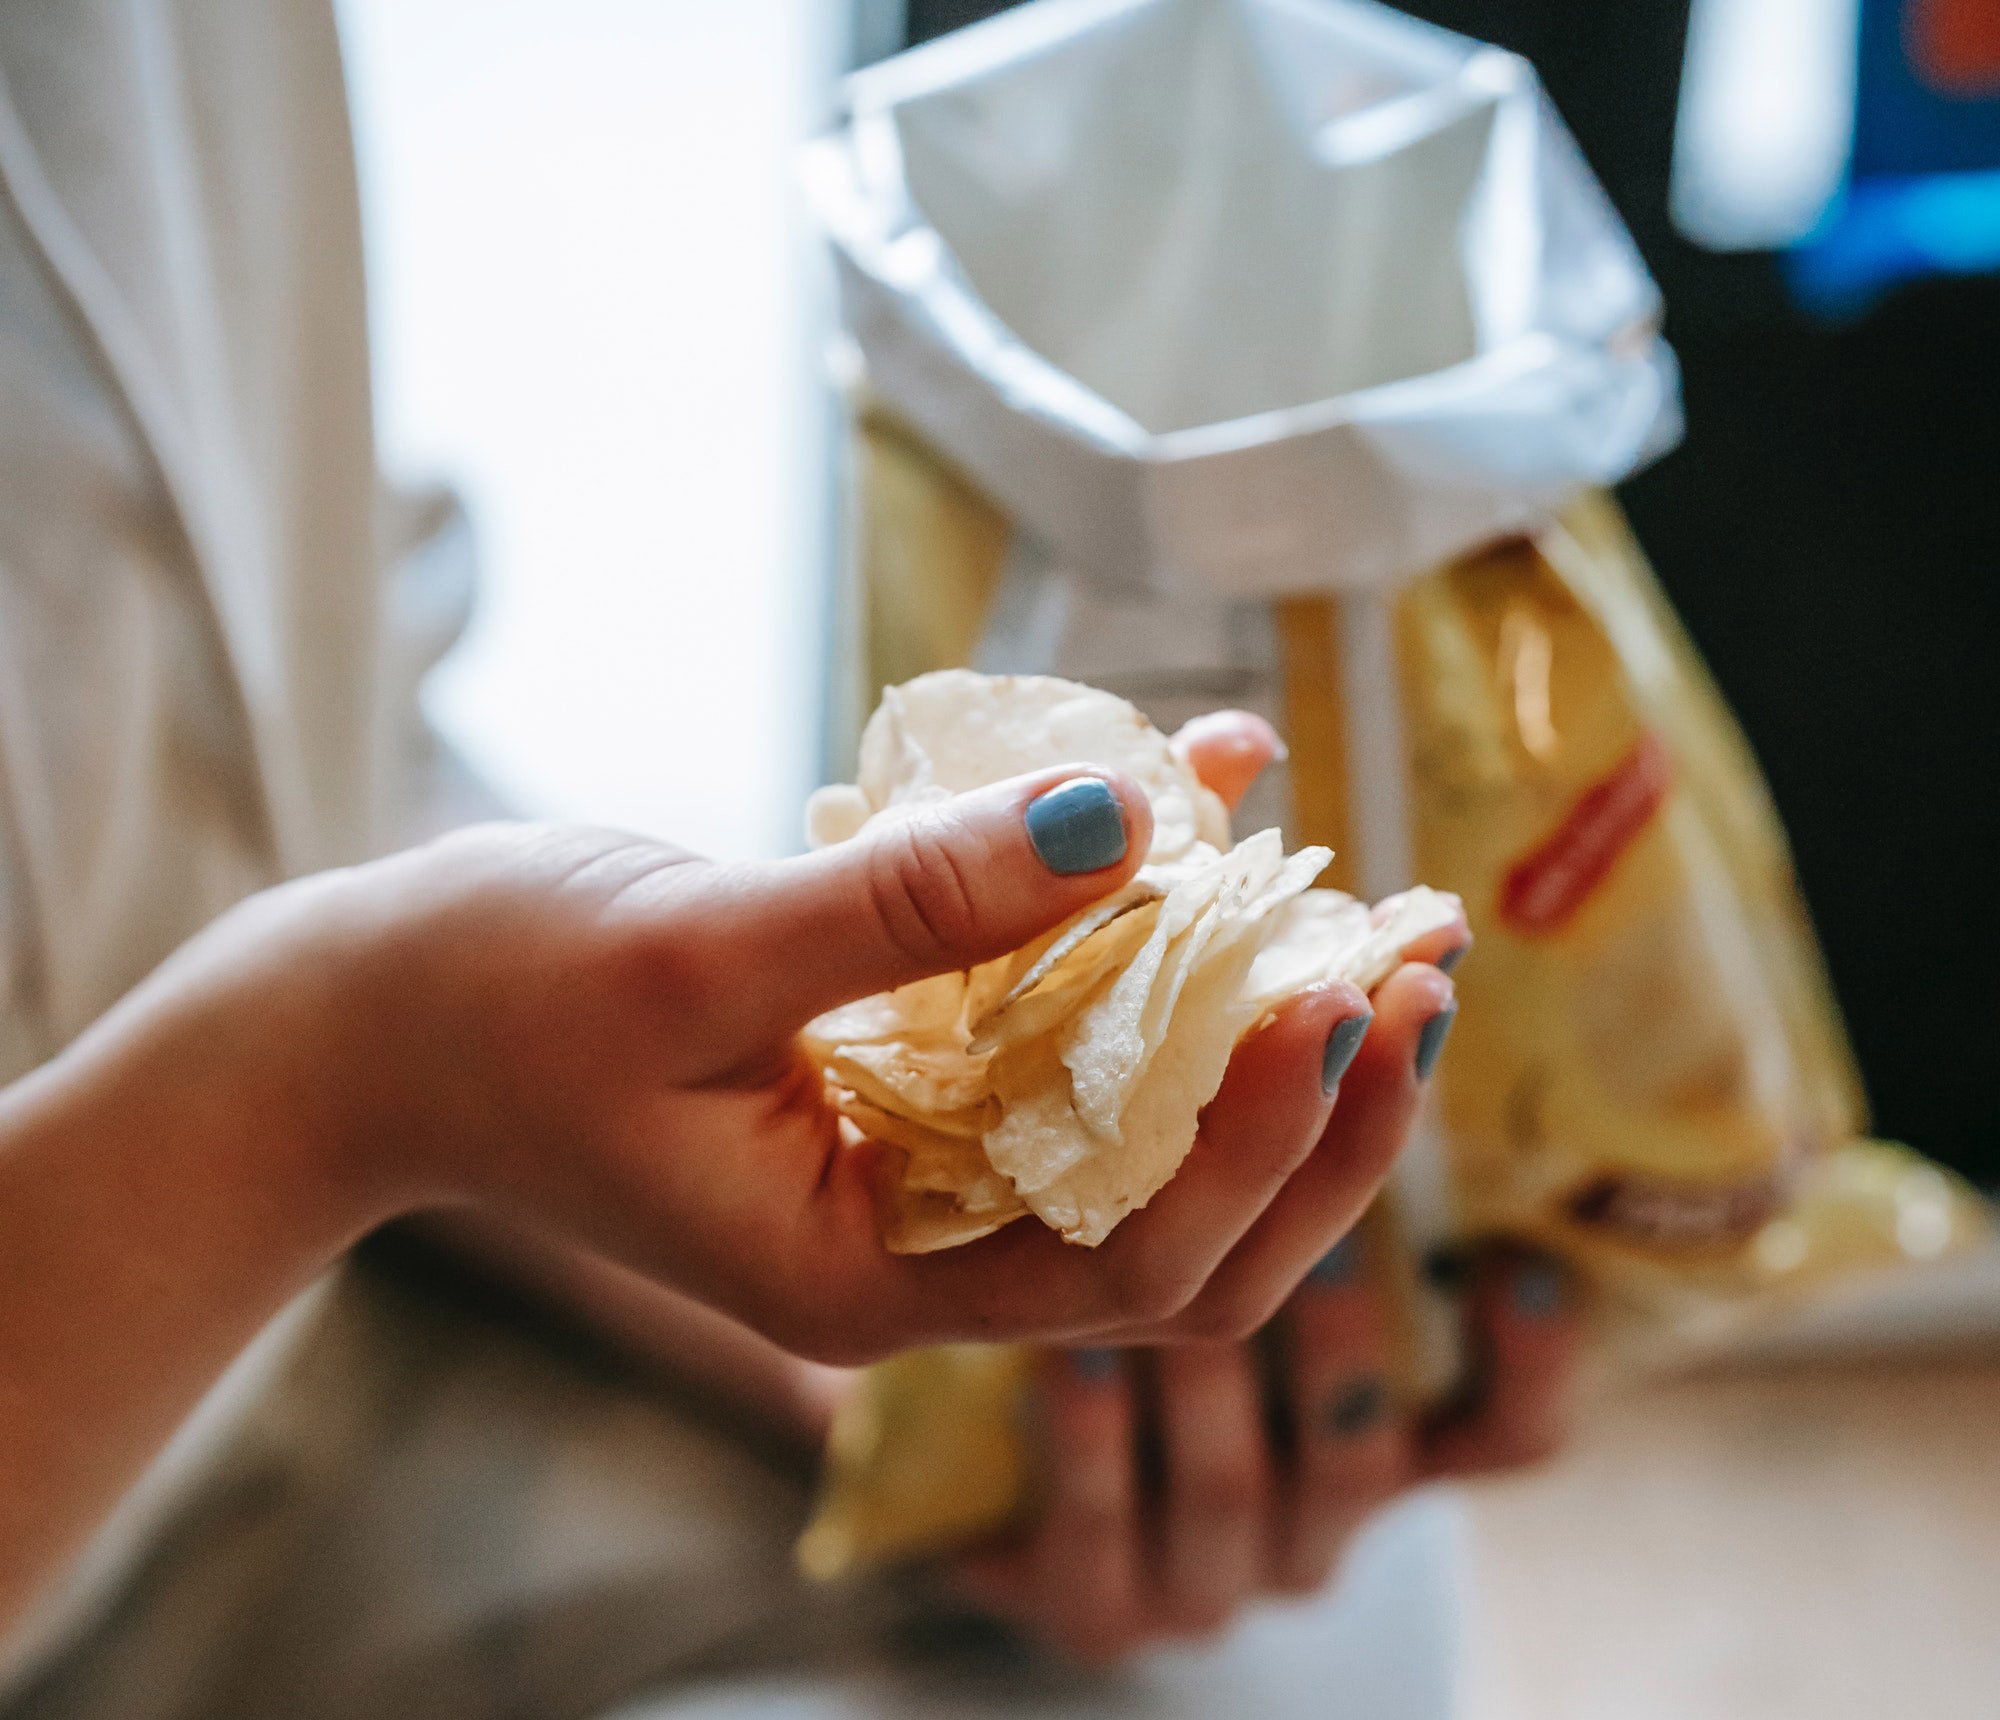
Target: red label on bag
[1549, 883]
[1678, 1217]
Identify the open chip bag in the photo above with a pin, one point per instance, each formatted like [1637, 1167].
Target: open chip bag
[1275, 355]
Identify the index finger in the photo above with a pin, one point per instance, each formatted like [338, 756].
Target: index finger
[1228, 750]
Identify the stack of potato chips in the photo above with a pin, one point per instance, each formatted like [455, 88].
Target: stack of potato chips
[1065, 1079]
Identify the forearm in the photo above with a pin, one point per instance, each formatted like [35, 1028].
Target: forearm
[667, 1332]
[157, 1207]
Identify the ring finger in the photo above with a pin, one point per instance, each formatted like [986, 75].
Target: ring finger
[1349, 1450]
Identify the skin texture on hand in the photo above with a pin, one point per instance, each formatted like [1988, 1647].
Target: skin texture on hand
[1182, 1483]
[588, 1035]
[605, 1037]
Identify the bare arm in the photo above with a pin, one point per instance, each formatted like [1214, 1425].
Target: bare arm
[155, 1210]
[596, 1036]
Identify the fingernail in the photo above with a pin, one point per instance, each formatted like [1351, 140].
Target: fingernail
[1538, 1291]
[1340, 1264]
[1095, 1367]
[1448, 962]
[1077, 826]
[1430, 1041]
[1446, 1268]
[1356, 1408]
[1341, 1045]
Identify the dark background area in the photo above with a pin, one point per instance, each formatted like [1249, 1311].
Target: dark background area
[1830, 531]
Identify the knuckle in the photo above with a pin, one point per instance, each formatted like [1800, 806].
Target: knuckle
[921, 890]
[1504, 1446]
[1226, 1313]
[1347, 1477]
[1151, 1293]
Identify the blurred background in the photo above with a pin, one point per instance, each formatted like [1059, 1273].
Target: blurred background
[659, 474]
[598, 310]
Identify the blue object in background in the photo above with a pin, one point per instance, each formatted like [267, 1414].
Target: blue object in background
[1922, 195]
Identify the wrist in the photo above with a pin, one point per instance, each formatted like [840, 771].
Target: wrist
[165, 1189]
[235, 1062]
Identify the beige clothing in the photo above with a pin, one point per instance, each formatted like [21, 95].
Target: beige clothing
[212, 618]
[435, 1516]
[212, 623]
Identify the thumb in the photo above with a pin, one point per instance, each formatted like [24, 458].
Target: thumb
[947, 887]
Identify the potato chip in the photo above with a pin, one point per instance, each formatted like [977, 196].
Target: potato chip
[952, 731]
[1045, 996]
[1067, 1078]
[938, 1081]
[930, 1008]
[1323, 935]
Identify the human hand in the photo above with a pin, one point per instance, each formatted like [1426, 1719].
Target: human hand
[1180, 1485]
[595, 1035]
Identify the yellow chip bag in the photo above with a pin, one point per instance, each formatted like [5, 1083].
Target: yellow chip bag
[1648, 1077]
[1282, 357]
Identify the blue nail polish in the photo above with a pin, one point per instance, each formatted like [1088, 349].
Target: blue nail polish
[1538, 1291]
[1448, 962]
[1340, 1264]
[1356, 1408]
[1447, 1269]
[1095, 1367]
[1078, 826]
[1430, 1040]
[1341, 1046]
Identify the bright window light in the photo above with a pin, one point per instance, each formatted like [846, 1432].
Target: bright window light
[594, 308]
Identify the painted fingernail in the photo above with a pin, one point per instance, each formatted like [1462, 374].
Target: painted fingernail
[1448, 962]
[1340, 1264]
[1430, 1040]
[1077, 826]
[1341, 1046]
[1446, 1268]
[1538, 1290]
[1095, 1367]
[1356, 1407]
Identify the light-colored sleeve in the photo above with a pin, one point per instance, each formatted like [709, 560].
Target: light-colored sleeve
[429, 584]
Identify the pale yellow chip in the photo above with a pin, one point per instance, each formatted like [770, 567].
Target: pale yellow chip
[1110, 1045]
[932, 1080]
[935, 1190]
[913, 1222]
[1068, 1077]
[1158, 1122]
[953, 731]
[1323, 935]
[1038, 1137]
[928, 1009]
[1189, 1040]
[1053, 987]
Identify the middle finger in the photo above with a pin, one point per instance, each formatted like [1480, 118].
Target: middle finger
[1320, 1203]
[1210, 1550]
